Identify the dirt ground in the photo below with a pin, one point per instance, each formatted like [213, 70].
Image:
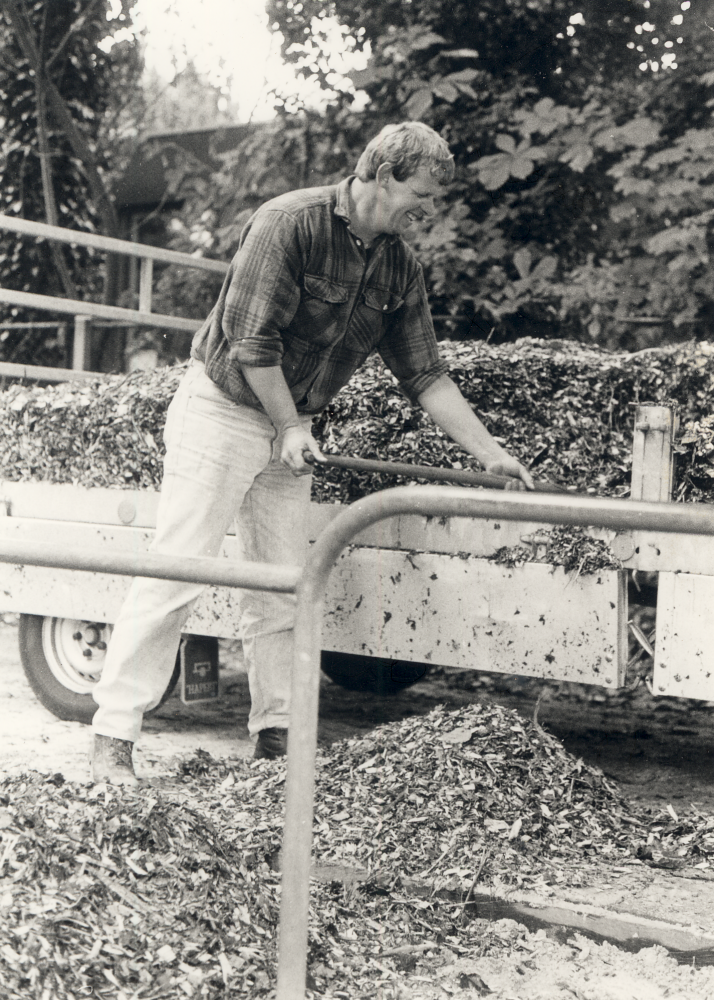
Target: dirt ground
[658, 750]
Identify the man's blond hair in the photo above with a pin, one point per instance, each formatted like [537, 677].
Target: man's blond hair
[407, 147]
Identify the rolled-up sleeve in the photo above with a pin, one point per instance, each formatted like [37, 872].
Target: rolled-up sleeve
[263, 290]
[409, 347]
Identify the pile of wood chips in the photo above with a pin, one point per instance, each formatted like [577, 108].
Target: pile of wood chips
[174, 892]
[566, 410]
[106, 432]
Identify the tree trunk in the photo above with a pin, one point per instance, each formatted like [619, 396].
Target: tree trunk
[57, 107]
[48, 191]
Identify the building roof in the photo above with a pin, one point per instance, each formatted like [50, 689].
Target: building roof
[144, 183]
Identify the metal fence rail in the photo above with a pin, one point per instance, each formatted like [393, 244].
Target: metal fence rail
[190, 569]
[81, 310]
[76, 307]
[11, 369]
[109, 244]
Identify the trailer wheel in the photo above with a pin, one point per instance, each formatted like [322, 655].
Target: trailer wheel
[371, 673]
[63, 659]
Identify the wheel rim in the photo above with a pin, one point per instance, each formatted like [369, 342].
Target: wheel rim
[75, 651]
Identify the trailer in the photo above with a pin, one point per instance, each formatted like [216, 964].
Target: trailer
[409, 592]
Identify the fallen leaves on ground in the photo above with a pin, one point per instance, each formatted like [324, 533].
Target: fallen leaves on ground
[174, 892]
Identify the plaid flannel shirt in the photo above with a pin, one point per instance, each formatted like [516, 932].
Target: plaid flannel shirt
[303, 293]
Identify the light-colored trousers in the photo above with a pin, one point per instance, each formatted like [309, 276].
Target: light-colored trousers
[220, 468]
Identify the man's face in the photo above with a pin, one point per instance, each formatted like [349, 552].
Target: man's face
[404, 203]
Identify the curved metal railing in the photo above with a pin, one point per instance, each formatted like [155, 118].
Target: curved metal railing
[310, 587]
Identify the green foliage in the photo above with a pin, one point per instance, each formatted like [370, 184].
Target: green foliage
[92, 82]
[582, 204]
[647, 255]
[582, 200]
[188, 101]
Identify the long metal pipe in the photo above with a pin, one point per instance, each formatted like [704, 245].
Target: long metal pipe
[41, 373]
[434, 501]
[109, 243]
[191, 569]
[77, 307]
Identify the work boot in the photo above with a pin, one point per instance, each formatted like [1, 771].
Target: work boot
[111, 761]
[272, 743]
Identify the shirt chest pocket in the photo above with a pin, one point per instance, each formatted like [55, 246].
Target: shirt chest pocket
[382, 300]
[322, 310]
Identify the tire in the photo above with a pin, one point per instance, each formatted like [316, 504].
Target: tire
[371, 673]
[52, 651]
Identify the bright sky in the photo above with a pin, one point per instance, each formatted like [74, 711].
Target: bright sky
[231, 39]
[227, 39]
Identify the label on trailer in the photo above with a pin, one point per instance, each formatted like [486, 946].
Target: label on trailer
[199, 669]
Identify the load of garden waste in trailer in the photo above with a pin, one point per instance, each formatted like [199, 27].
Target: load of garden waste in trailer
[565, 410]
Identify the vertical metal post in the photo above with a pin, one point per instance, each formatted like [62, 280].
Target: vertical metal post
[300, 792]
[432, 501]
[146, 275]
[80, 344]
[133, 262]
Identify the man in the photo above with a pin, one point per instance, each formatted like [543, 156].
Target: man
[321, 278]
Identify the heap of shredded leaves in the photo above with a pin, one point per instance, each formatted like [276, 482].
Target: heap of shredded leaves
[103, 892]
[172, 893]
[563, 409]
[572, 548]
[107, 432]
[426, 795]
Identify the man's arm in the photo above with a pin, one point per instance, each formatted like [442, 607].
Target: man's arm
[272, 390]
[445, 404]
